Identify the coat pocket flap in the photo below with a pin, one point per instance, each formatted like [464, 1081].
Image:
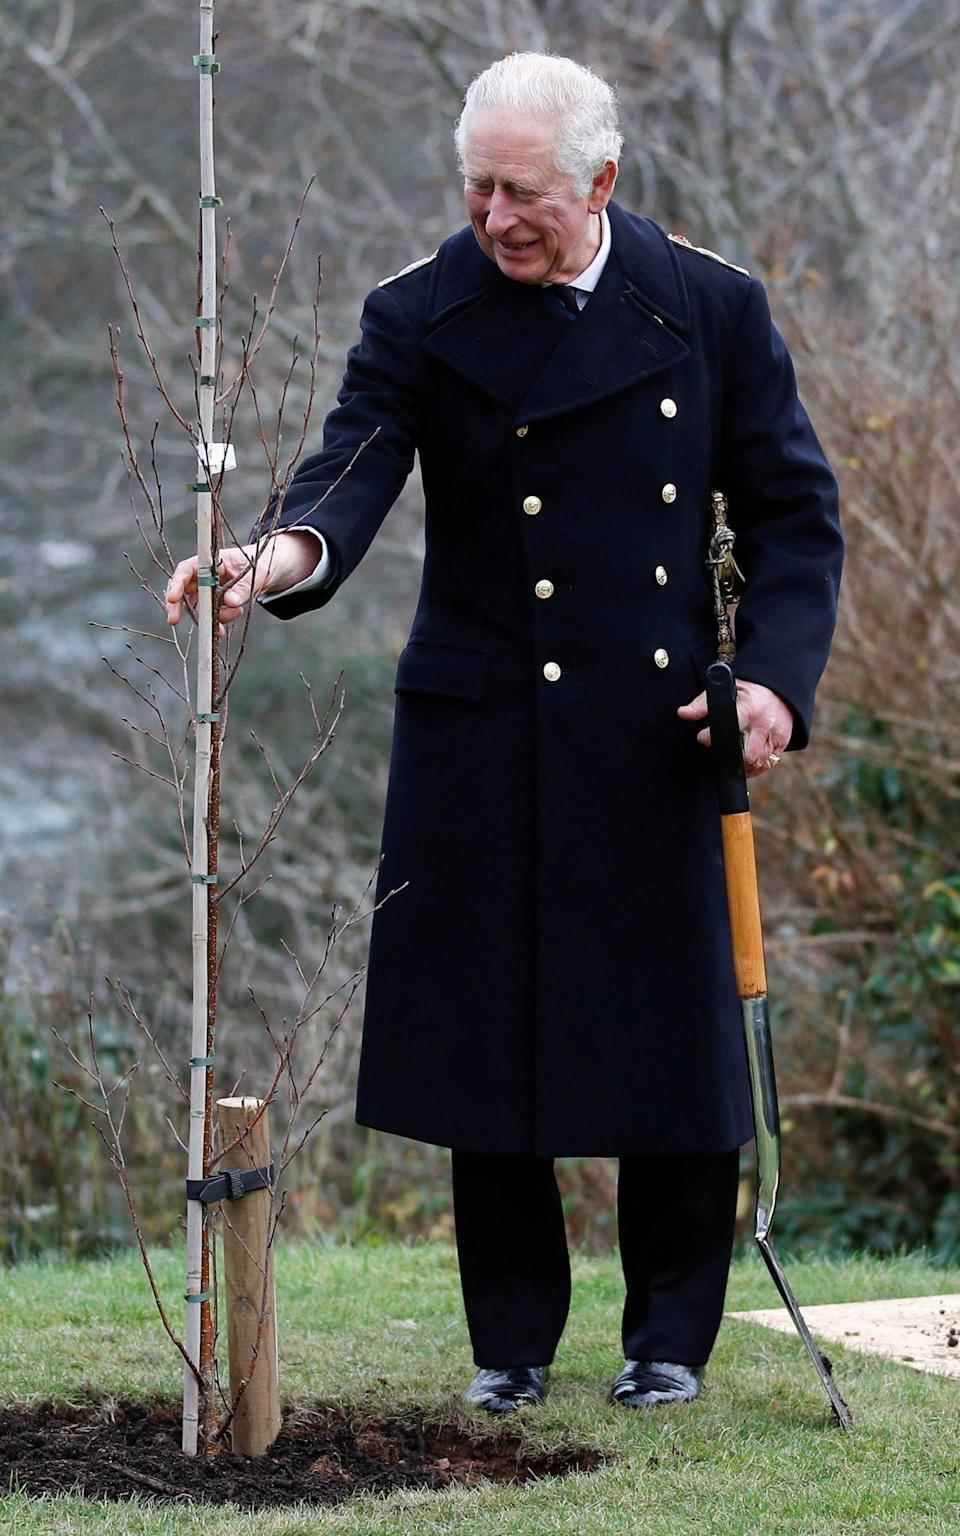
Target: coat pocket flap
[442, 669]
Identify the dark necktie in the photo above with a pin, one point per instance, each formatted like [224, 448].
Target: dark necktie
[562, 299]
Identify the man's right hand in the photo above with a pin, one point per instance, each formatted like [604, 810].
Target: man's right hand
[283, 561]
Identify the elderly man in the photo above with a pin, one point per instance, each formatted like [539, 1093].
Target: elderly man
[555, 979]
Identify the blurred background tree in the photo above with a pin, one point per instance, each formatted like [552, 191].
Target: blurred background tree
[814, 141]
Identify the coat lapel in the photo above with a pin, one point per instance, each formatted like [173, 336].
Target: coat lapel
[501, 336]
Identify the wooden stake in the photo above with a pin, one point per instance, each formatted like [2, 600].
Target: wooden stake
[251, 1292]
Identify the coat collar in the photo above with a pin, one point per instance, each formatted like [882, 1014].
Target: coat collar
[500, 335]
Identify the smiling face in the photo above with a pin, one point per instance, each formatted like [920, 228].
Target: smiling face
[525, 213]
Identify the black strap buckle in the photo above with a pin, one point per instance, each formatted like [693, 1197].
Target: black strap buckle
[231, 1184]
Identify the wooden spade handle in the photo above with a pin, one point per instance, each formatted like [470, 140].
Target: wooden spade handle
[739, 858]
[743, 902]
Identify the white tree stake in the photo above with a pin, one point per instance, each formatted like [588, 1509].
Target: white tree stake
[204, 697]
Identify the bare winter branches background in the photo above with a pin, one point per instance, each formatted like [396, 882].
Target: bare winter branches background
[814, 142]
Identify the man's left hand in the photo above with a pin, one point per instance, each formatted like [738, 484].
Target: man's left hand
[766, 721]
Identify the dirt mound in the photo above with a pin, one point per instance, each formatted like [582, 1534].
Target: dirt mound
[119, 1450]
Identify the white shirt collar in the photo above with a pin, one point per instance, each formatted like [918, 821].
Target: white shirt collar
[590, 276]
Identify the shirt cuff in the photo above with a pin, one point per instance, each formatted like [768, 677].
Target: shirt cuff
[317, 577]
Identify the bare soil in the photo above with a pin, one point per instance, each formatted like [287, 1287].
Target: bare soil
[920, 1331]
[117, 1450]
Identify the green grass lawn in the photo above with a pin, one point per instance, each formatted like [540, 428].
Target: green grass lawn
[381, 1327]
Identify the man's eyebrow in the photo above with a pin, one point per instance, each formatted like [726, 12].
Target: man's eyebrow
[485, 179]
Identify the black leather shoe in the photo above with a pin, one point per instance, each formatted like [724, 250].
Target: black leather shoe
[645, 1383]
[504, 1391]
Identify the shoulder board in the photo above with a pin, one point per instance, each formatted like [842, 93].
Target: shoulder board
[702, 251]
[404, 270]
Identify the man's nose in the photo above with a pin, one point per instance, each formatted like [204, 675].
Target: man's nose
[500, 216]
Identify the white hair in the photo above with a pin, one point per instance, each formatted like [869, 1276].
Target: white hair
[583, 106]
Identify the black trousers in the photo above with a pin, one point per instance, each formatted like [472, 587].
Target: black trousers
[676, 1220]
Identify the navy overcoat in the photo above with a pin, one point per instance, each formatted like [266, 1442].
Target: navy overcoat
[556, 978]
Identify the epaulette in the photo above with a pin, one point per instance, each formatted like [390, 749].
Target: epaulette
[404, 270]
[702, 251]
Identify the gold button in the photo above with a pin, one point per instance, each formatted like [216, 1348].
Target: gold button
[532, 505]
[522, 431]
[668, 408]
[661, 657]
[551, 672]
[669, 493]
[544, 588]
[661, 574]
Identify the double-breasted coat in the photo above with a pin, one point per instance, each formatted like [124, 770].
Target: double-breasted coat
[555, 976]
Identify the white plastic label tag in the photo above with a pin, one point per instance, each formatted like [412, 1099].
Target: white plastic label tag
[218, 456]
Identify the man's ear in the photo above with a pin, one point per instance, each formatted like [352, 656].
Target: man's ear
[602, 189]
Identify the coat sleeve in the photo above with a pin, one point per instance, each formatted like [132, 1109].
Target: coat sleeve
[345, 491]
[784, 509]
